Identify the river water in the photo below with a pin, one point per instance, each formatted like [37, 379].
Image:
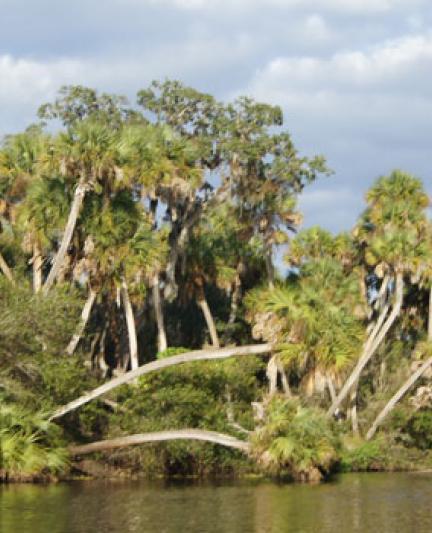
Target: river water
[396, 502]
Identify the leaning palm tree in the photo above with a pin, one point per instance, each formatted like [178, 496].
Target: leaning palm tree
[391, 234]
[86, 156]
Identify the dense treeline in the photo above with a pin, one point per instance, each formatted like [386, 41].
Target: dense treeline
[132, 234]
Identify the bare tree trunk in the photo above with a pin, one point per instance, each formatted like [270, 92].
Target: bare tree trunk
[6, 270]
[353, 409]
[77, 202]
[284, 379]
[430, 315]
[85, 315]
[372, 344]
[130, 321]
[270, 269]
[157, 303]
[272, 373]
[203, 304]
[176, 249]
[399, 394]
[199, 355]
[236, 294]
[331, 388]
[37, 263]
[158, 436]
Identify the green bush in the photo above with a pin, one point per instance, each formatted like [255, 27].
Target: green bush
[30, 446]
[365, 456]
[199, 395]
[295, 442]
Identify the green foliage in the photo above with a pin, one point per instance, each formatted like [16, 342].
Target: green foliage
[30, 446]
[295, 441]
[31, 323]
[365, 456]
[419, 428]
[191, 197]
[313, 317]
[199, 395]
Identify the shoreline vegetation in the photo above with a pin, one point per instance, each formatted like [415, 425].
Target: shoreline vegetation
[145, 329]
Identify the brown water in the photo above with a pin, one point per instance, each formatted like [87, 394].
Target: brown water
[353, 503]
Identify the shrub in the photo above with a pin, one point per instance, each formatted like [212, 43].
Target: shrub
[295, 442]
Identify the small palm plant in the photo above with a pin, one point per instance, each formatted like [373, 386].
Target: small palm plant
[295, 442]
[30, 446]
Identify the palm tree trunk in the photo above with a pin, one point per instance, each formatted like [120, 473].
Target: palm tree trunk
[284, 379]
[199, 355]
[272, 373]
[399, 394]
[85, 315]
[430, 315]
[130, 321]
[6, 270]
[236, 295]
[203, 304]
[157, 303]
[270, 269]
[331, 388]
[353, 409]
[158, 436]
[77, 203]
[372, 344]
[37, 263]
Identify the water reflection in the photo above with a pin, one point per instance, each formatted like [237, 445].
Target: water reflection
[354, 503]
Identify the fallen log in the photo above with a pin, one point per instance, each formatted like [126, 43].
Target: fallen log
[159, 436]
[198, 355]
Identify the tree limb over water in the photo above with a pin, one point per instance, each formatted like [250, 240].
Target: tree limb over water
[158, 436]
[198, 355]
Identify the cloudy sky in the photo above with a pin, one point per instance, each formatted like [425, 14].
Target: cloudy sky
[354, 77]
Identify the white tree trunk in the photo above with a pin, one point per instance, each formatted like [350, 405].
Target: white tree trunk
[236, 295]
[157, 303]
[203, 304]
[372, 345]
[85, 315]
[77, 202]
[130, 321]
[331, 388]
[158, 436]
[270, 269]
[6, 270]
[353, 409]
[37, 263]
[199, 355]
[399, 394]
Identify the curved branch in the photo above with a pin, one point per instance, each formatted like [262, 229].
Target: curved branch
[199, 355]
[397, 396]
[158, 436]
[372, 344]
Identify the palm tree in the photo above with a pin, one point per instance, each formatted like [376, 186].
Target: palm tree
[391, 233]
[20, 167]
[312, 319]
[85, 155]
[406, 386]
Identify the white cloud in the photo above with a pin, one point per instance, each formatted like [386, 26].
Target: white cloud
[343, 6]
[407, 60]
[316, 28]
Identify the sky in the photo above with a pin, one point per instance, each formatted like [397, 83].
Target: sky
[354, 77]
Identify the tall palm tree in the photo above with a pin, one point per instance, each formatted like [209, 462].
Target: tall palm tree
[391, 234]
[86, 155]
